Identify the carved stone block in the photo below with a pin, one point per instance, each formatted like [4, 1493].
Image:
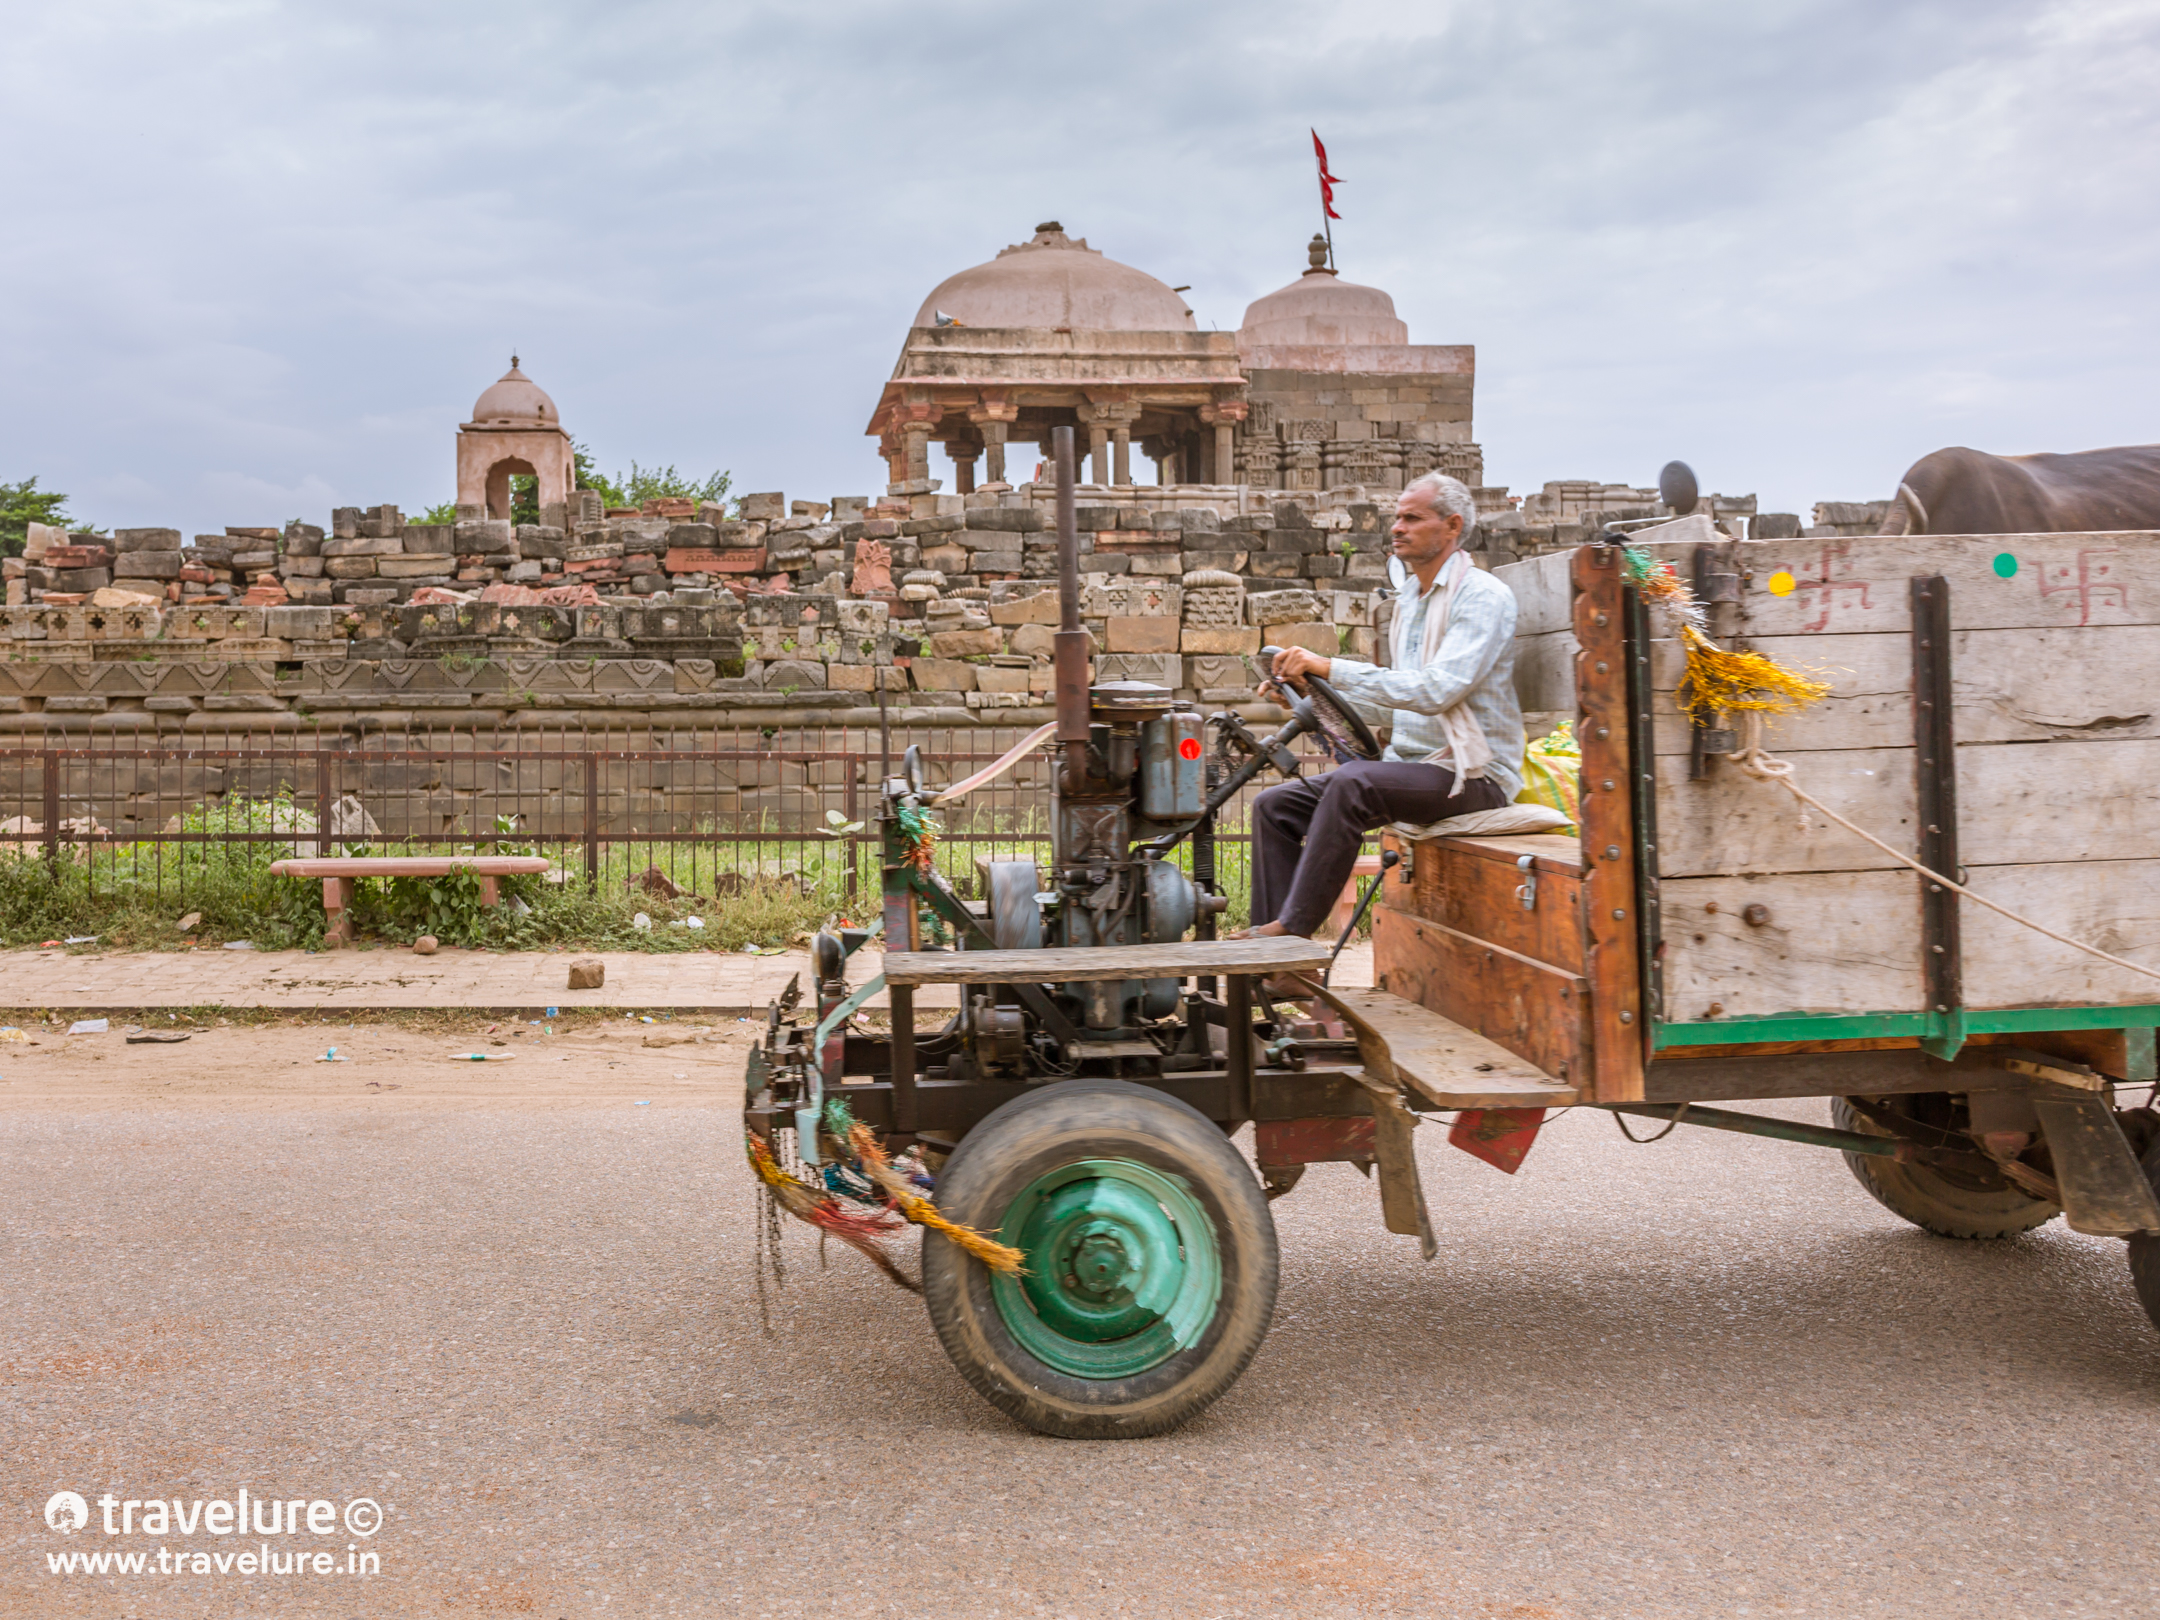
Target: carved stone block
[1281, 607]
[1158, 669]
[1214, 607]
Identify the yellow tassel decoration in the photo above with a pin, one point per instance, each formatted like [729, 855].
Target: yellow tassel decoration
[1718, 680]
[878, 1167]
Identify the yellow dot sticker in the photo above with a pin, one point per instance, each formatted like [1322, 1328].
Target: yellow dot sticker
[1782, 583]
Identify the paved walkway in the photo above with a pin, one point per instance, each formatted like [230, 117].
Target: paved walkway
[705, 982]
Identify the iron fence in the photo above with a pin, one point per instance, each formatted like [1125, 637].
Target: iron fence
[708, 809]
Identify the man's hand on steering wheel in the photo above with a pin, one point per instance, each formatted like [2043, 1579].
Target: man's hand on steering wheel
[1292, 663]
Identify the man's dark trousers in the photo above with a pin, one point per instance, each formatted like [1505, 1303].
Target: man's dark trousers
[1306, 833]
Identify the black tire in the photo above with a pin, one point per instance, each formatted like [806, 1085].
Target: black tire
[2140, 1125]
[1945, 1202]
[997, 1168]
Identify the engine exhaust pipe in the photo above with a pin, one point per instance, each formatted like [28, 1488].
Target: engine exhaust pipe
[1070, 645]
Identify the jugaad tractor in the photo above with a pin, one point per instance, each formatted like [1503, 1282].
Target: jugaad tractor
[1079, 1103]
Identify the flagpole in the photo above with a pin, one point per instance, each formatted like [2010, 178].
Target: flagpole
[1327, 227]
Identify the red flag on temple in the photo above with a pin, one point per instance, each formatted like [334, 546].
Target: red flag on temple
[1328, 182]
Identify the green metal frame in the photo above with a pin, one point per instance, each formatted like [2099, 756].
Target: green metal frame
[902, 876]
[2140, 1022]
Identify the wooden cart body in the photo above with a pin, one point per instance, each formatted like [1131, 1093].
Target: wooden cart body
[1993, 711]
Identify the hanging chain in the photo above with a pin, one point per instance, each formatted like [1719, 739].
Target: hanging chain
[766, 1256]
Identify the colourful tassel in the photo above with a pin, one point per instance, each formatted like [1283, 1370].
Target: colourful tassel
[862, 1142]
[1717, 681]
[860, 1230]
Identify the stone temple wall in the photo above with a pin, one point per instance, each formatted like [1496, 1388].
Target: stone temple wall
[944, 604]
[937, 609]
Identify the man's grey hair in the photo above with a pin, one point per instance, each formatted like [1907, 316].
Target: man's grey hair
[1447, 496]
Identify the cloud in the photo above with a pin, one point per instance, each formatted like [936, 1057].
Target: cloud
[1798, 242]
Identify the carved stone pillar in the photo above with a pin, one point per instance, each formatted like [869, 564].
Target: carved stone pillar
[1109, 424]
[993, 418]
[1114, 418]
[1224, 416]
[913, 422]
[963, 460]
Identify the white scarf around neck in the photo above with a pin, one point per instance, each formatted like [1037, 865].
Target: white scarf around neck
[1465, 740]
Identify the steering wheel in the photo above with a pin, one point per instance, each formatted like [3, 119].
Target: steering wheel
[1340, 726]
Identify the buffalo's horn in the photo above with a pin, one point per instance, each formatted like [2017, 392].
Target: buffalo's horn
[1907, 514]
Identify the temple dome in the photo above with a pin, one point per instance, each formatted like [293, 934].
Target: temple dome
[515, 401]
[1321, 308]
[1054, 280]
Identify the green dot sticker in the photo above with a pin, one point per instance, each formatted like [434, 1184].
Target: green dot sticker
[2005, 565]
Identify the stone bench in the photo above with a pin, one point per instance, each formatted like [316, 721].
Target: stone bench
[338, 872]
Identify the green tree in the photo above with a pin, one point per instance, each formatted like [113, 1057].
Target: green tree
[642, 484]
[24, 504]
[634, 488]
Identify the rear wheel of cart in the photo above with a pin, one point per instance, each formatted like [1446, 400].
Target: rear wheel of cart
[1948, 1203]
[2143, 1129]
[1151, 1261]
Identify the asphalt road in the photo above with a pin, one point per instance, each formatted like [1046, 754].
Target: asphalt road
[1707, 1377]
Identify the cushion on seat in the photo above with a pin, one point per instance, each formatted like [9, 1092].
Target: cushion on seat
[1508, 818]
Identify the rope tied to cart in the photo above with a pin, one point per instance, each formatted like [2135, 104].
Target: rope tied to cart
[1756, 761]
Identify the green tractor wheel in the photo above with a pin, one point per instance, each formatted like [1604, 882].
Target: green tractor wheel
[1151, 1261]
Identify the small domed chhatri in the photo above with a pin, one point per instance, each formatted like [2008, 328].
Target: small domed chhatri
[515, 431]
[1052, 280]
[514, 400]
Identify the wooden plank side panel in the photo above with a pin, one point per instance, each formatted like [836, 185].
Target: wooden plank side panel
[1612, 943]
[1545, 672]
[1544, 593]
[1824, 942]
[1536, 1011]
[2114, 905]
[1833, 942]
[1858, 586]
[2096, 684]
[2064, 800]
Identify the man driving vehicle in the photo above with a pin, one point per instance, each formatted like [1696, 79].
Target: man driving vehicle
[1450, 697]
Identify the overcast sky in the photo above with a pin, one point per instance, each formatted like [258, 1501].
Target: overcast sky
[260, 258]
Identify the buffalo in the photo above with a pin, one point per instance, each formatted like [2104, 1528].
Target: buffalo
[1961, 491]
